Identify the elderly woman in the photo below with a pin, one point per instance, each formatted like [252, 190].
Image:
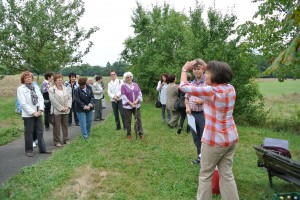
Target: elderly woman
[131, 99]
[61, 103]
[32, 103]
[84, 105]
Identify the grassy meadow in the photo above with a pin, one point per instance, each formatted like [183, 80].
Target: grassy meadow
[108, 166]
[282, 98]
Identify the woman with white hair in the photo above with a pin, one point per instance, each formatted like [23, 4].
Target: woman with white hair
[131, 99]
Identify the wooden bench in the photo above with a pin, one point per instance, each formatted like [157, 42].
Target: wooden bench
[277, 165]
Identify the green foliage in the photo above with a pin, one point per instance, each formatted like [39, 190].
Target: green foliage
[276, 36]
[87, 70]
[166, 39]
[42, 35]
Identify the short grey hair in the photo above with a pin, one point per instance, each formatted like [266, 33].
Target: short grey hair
[127, 74]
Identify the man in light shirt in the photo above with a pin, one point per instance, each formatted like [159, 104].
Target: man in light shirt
[114, 92]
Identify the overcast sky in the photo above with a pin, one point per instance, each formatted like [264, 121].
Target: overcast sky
[113, 17]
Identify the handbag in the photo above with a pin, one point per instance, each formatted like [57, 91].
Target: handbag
[179, 103]
[215, 182]
[158, 103]
[51, 116]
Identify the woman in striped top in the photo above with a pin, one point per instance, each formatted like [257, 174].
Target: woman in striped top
[220, 133]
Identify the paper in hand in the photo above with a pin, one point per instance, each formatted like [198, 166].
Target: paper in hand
[191, 122]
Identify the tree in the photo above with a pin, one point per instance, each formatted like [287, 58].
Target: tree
[42, 35]
[165, 39]
[160, 35]
[277, 36]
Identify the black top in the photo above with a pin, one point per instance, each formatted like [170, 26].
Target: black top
[83, 98]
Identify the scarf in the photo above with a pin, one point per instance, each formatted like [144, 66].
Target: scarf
[34, 97]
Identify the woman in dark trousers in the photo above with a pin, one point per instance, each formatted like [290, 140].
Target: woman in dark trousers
[32, 103]
[131, 100]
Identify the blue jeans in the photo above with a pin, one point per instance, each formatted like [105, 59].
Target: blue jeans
[85, 120]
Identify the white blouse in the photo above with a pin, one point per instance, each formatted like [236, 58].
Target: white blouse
[163, 92]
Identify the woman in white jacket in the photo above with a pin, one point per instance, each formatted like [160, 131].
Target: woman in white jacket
[162, 86]
[32, 103]
[61, 103]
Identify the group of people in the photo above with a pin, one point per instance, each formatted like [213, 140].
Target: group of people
[177, 104]
[209, 98]
[78, 99]
[62, 101]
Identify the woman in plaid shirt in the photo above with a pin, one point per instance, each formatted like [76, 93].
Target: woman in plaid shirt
[220, 133]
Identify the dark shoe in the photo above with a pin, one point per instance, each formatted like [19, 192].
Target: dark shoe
[47, 128]
[118, 128]
[29, 154]
[196, 162]
[102, 119]
[142, 137]
[188, 130]
[129, 137]
[179, 131]
[46, 152]
[69, 125]
[77, 124]
[97, 120]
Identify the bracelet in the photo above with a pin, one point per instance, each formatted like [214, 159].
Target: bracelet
[183, 70]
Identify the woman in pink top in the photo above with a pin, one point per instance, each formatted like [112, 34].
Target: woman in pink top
[220, 133]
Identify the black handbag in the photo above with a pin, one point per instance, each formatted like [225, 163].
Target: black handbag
[158, 103]
[51, 116]
[179, 103]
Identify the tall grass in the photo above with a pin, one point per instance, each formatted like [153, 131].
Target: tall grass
[10, 122]
[108, 166]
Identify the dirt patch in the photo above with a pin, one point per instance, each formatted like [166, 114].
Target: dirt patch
[86, 184]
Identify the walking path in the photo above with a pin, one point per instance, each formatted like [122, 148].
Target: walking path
[13, 158]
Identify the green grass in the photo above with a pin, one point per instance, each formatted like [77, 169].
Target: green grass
[108, 166]
[10, 122]
[282, 102]
[272, 87]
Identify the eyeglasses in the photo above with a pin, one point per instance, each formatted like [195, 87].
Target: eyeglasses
[128, 77]
[112, 74]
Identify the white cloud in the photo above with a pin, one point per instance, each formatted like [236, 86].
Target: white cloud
[113, 17]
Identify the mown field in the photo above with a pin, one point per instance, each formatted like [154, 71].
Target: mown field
[108, 166]
[282, 99]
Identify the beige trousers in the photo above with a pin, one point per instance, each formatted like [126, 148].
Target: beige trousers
[212, 156]
[61, 120]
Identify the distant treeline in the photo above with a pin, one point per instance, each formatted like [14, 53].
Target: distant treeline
[88, 70]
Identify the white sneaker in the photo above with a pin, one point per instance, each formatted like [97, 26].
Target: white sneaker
[36, 142]
[33, 144]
